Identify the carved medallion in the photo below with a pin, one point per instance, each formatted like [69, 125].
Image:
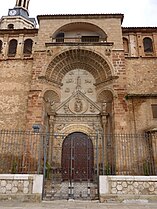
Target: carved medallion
[78, 105]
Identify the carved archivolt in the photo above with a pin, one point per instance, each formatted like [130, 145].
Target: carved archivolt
[76, 128]
[78, 59]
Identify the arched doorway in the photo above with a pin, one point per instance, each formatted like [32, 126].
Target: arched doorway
[77, 158]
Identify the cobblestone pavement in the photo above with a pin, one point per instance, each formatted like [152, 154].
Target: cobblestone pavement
[74, 205]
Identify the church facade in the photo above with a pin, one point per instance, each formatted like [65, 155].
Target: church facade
[77, 75]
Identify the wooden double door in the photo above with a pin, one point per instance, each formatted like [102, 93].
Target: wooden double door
[77, 158]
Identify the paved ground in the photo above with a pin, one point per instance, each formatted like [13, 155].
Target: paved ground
[75, 205]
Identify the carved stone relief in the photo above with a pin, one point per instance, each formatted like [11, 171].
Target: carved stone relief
[78, 79]
[78, 105]
[92, 108]
[88, 81]
[67, 90]
[69, 81]
[66, 109]
[90, 91]
[63, 122]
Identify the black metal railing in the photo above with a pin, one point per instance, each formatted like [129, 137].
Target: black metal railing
[131, 154]
[83, 39]
[21, 152]
[114, 154]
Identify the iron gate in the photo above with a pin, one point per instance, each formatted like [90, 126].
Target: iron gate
[77, 160]
[74, 169]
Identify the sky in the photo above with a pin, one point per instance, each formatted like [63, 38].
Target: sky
[138, 13]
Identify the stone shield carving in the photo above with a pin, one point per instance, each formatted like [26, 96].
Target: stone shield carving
[78, 105]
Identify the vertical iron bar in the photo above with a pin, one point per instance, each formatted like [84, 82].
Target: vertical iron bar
[45, 156]
[103, 154]
[97, 154]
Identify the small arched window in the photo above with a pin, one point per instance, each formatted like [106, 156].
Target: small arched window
[126, 45]
[1, 43]
[60, 37]
[28, 44]
[11, 26]
[12, 48]
[148, 45]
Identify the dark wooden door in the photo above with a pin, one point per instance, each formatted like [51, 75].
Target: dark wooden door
[77, 157]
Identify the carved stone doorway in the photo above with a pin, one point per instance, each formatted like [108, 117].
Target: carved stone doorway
[77, 158]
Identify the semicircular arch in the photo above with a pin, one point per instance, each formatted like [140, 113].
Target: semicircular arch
[79, 26]
[105, 96]
[51, 95]
[78, 59]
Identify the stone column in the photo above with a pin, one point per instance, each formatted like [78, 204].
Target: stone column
[140, 44]
[155, 43]
[104, 138]
[133, 45]
[5, 45]
[22, 3]
[52, 119]
[17, 2]
[19, 51]
[27, 4]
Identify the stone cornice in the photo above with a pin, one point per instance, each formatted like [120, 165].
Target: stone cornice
[139, 29]
[79, 43]
[80, 16]
[18, 31]
[145, 95]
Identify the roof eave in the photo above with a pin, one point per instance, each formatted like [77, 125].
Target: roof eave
[79, 16]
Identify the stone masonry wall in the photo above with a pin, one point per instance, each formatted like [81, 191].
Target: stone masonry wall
[141, 75]
[111, 26]
[140, 109]
[21, 187]
[126, 187]
[16, 186]
[15, 79]
[141, 79]
[140, 186]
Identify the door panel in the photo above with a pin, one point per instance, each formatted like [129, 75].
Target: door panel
[77, 157]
